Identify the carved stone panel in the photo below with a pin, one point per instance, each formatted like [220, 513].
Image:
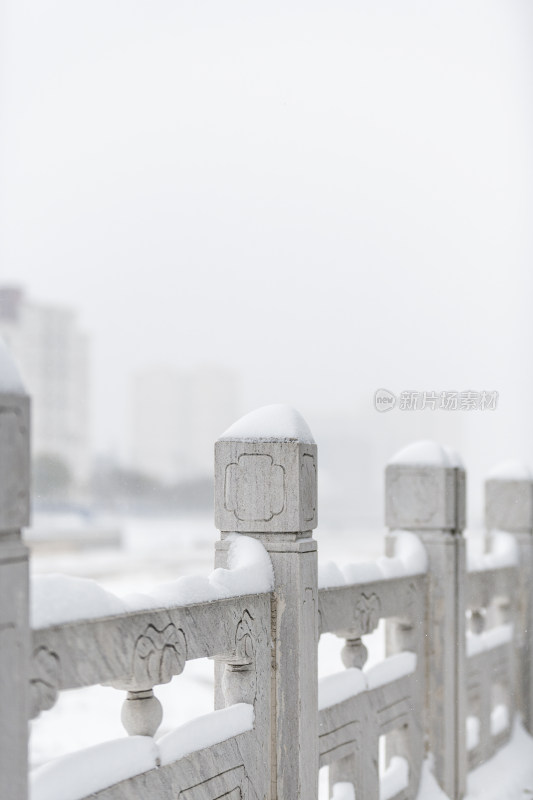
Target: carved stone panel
[367, 613]
[509, 504]
[265, 486]
[421, 497]
[44, 680]
[229, 785]
[158, 655]
[254, 488]
[244, 638]
[239, 683]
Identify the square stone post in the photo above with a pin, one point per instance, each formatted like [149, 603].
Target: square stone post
[266, 487]
[14, 615]
[425, 494]
[509, 507]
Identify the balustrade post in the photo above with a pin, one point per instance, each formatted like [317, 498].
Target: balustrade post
[425, 494]
[14, 614]
[266, 487]
[509, 507]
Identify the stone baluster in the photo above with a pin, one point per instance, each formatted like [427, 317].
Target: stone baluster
[141, 713]
[425, 493]
[14, 615]
[158, 656]
[266, 488]
[354, 653]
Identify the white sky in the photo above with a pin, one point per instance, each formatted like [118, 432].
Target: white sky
[327, 196]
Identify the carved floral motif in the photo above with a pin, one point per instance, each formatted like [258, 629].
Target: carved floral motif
[367, 613]
[46, 669]
[254, 488]
[239, 682]
[244, 638]
[159, 655]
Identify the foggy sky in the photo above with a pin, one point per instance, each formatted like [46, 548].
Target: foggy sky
[328, 197]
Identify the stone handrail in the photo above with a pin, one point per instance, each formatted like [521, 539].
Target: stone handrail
[442, 688]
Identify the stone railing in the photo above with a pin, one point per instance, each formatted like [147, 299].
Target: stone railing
[441, 688]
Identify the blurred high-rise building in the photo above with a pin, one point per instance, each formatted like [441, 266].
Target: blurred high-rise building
[52, 354]
[177, 414]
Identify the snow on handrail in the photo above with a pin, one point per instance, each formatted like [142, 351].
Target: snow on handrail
[77, 775]
[57, 599]
[340, 686]
[409, 558]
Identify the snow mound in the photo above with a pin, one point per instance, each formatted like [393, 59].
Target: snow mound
[429, 789]
[488, 640]
[80, 774]
[503, 553]
[410, 558]
[276, 423]
[395, 779]
[510, 471]
[206, 731]
[507, 775]
[61, 598]
[93, 769]
[454, 457]
[343, 791]
[57, 599]
[350, 682]
[391, 669]
[424, 453]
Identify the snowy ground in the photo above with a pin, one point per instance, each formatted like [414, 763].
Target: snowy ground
[154, 551]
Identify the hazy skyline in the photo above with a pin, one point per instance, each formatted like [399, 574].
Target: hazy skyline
[327, 198]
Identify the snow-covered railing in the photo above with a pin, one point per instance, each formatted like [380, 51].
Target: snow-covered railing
[359, 706]
[259, 615]
[83, 636]
[425, 494]
[500, 614]
[492, 614]
[137, 651]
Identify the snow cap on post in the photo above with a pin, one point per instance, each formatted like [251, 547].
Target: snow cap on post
[14, 446]
[509, 498]
[425, 488]
[266, 474]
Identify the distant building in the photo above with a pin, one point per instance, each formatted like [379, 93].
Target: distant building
[52, 354]
[176, 416]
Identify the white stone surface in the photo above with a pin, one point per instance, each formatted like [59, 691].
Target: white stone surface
[509, 502]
